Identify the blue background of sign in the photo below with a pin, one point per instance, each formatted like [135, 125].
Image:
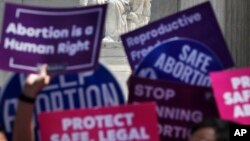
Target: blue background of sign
[173, 48]
[99, 77]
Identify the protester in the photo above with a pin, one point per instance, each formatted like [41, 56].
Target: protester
[23, 128]
[210, 130]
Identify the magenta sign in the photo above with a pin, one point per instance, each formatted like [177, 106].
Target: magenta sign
[68, 39]
[232, 93]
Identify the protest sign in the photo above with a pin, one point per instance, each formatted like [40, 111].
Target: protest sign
[68, 39]
[198, 23]
[180, 60]
[71, 91]
[232, 94]
[179, 106]
[124, 123]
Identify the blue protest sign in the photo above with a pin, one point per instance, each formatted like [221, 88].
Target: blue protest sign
[71, 91]
[180, 60]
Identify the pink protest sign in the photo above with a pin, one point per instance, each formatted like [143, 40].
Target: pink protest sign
[232, 93]
[68, 39]
[125, 123]
[179, 106]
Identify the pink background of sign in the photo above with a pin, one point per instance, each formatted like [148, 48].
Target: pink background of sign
[51, 122]
[221, 83]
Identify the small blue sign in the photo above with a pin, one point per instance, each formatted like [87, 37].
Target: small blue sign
[180, 60]
[71, 91]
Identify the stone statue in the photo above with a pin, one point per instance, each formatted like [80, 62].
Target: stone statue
[122, 16]
[140, 11]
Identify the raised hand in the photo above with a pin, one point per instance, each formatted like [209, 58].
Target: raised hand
[35, 82]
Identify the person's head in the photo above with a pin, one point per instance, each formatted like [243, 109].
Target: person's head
[210, 130]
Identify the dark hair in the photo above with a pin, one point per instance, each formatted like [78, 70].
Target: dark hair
[221, 128]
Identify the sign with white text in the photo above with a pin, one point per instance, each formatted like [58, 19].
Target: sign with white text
[179, 106]
[198, 23]
[67, 39]
[232, 93]
[125, 123]
[180, 60]
[71, 91]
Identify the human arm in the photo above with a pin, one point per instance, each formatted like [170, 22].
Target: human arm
[23, 128]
